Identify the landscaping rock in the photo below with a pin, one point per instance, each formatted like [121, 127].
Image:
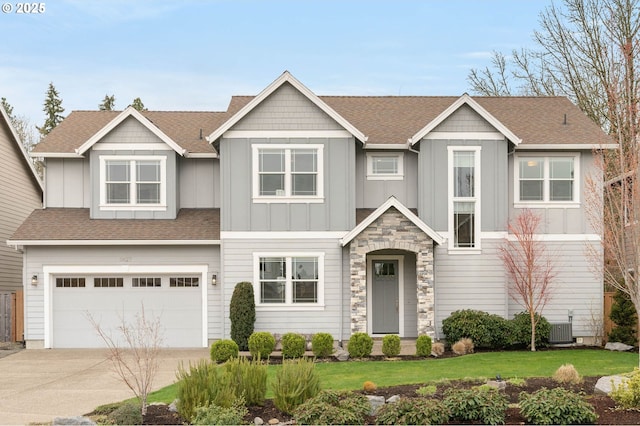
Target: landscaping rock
[274, 422]
[497, 384]
[173, 407]
[376, 402]
[617, 346]
[393, 399]
[605, 384]
[341, 355]
[258, 421]
[77, 420]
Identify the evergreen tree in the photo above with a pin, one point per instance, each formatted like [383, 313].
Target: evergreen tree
[108, 103]
[623, 314]
[137, 104]
[7, 107]
[53, 111]
[242, 312]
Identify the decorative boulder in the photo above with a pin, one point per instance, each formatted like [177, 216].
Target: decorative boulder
[605, 384]
[617, 346]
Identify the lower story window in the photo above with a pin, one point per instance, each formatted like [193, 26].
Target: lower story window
[289, 280]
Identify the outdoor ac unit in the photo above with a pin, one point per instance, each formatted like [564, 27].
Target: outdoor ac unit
[561, 333]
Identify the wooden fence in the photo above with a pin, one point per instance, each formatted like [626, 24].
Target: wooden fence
[12, 317]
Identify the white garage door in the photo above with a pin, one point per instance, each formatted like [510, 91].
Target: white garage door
[175, 301]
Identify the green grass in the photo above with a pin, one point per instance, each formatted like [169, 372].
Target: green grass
[351, 375]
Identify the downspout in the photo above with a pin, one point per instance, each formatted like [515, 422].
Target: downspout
[340, 335]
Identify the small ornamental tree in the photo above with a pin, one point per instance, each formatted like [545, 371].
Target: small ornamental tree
[242, 313]
[623, 314]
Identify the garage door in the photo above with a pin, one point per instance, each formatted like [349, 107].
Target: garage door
[175, 301]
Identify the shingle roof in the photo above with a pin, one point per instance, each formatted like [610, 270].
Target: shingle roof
[63, 224]
[383, 119]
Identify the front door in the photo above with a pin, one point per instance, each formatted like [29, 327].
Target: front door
[385, 297]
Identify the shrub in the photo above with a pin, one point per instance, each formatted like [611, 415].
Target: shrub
[468, 345]
[567, 373]
[369, 386]
[322, 345]
[391, 345]
[331, 407]
[483, 404]
[486, 330]
[555, 406]
[261, 344]
[423, 345]
[522, 329]
[413, 411]
[295, 382]
[293, 345]
[360, 345]
[215, 415]
[427, 390]
[623, 314]
[437, 348]
[223, 350]
[459, 348]
[242, 313]
[627, 394]
[249, 379]
[128, 413]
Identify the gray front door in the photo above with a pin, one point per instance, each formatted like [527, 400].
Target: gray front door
[384, 297]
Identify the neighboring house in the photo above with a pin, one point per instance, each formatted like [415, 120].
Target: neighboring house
[20, 194]
[347, 213]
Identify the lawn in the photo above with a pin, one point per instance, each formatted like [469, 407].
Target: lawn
[351, 375]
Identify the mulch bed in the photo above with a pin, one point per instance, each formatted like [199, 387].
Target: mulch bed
[605, 407]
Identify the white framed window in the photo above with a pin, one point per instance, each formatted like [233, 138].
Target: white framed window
[385, 166]
[551, 180]
[464, 197]
[133, 182]
[288, 173]
[289, 279]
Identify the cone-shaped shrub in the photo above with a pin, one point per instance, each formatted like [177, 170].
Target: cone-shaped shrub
[242, 313]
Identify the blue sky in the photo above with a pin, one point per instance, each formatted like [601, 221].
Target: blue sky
[194, 55]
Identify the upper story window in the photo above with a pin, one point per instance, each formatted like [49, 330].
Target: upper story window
[464, 197]
[546, 179]
[288, 173]
[137, 182]
[385, 166]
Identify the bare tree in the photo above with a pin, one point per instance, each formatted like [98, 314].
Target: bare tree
[530, 269]
[135, 360]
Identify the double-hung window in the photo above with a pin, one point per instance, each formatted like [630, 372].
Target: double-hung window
[546, 179]
[132, 182]
[464, 197]
[289, 279]
[287, 173]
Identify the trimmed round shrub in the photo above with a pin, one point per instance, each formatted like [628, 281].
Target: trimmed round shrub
[423, 345]
[485, 329]
[413, 411]
[322, 345]
[242, 313]
[522, 329]
[261, 344]
[391, 345]
[557, 406]
[223, 350]
[360, 345]
[293, 345]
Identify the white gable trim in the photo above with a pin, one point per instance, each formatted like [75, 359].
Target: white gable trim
[465, 99]
[286, 77]
[130, 112]
[23, 151]
[391, 202]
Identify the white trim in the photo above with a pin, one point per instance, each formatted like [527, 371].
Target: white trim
[390, 146]
[201, 155]
[288, 305]
[391, 202]
[133, 205]
[285, 77]
[112, 242]
[130, 112]
[287, 197]
[476, 199]
[131, 147]
[573, 146]
[281, 235]
[49, 270]
[370, 155]
[465, 99]
[482, 136]
[55, 155]
[545, 203]
[247, 134]
[400, 259]
[501, 235]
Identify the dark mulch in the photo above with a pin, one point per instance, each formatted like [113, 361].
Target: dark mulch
[605, 407]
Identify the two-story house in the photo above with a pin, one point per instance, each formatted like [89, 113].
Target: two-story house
[347, 213]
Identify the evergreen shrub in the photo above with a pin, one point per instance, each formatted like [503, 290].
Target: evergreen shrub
[242, 313]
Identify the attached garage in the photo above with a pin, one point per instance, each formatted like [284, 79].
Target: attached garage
[174, 296]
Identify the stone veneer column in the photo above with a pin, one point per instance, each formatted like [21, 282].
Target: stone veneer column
[392, 230]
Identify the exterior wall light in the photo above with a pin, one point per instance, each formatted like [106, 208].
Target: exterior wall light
[214, 279]
[34, 279]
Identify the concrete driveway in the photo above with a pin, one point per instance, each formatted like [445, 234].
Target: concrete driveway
[39, 385]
